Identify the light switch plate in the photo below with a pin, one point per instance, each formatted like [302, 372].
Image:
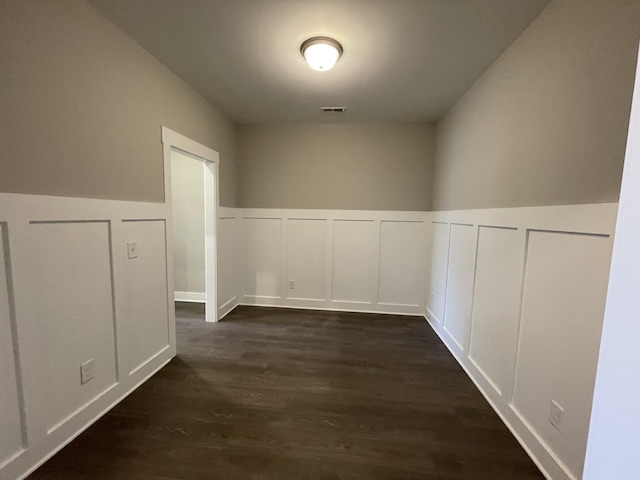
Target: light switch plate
[132, 250]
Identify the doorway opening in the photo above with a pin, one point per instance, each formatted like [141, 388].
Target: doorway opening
[191, 196]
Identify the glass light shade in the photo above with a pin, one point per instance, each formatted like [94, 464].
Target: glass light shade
[321, 53]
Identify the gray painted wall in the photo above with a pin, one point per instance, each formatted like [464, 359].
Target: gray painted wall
[187, 202]
[336, 166]
[82, 107]
[547, 123]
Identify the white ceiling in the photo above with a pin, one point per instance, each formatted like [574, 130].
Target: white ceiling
[404, 60]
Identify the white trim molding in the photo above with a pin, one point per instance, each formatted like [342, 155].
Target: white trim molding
[174, 141]
[194, 297]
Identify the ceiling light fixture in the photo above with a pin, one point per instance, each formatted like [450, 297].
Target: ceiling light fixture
[321, 53]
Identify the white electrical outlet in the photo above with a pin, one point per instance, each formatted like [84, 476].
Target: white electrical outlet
[432, 298]
[292, 284]
[132, 250]
[87, 371]
[555, 415]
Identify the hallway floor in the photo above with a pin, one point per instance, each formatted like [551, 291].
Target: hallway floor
[292, 394]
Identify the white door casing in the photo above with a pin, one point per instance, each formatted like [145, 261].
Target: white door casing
[175, 141]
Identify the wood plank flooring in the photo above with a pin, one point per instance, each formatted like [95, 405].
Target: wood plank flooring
[290, 394]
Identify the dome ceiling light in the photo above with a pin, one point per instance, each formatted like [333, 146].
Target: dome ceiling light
[321, 53]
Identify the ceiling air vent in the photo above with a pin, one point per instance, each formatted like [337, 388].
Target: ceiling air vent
[333, 109]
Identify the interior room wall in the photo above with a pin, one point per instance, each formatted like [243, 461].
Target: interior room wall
[614, 443]
[543, 130]
[336, 166]
[187, 197]
[83, 104]
[82, 107]
[546, 124]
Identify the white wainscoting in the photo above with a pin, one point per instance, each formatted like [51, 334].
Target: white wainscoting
[460, 278]
[335, 259]
[68, 294]
[228, 260]
[401, 270]
[307, 258]
[518, 295]
[11, 404]
[353, 265]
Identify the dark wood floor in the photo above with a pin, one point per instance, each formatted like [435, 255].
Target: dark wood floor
[290, 394]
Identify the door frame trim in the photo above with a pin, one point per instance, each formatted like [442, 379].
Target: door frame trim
[174, 141]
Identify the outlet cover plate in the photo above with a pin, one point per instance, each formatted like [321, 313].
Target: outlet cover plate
[555, 415]
[87, 371]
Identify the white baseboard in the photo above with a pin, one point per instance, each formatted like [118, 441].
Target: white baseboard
[331, 306]
[195, 297]
[433, 321]
[330, 309]
[227, 307]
